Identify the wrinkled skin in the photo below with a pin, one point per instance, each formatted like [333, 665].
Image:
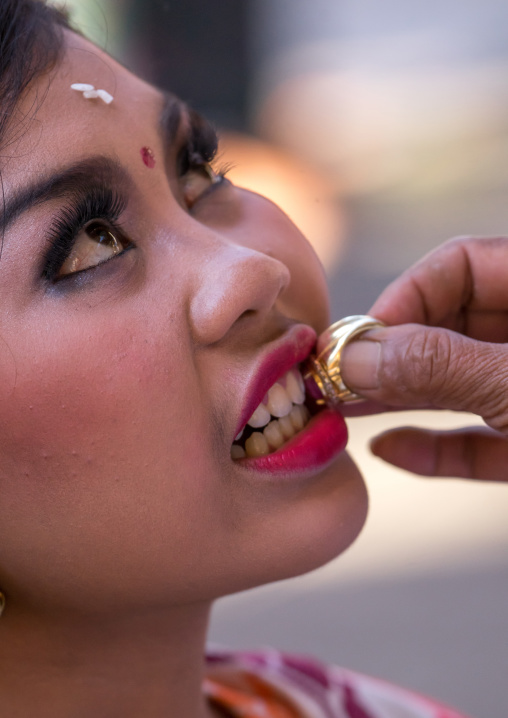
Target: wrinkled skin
[445, 347]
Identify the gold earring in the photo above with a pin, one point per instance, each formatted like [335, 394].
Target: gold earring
[2, 603]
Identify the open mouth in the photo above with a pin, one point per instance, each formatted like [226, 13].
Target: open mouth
[278, 418]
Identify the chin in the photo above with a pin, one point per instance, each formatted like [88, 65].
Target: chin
[309, 532]
[332, 523]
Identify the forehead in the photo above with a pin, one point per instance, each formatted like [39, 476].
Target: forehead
[62, 127]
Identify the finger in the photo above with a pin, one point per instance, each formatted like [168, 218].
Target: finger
[462, 285]
[465, 453]
[414, 366]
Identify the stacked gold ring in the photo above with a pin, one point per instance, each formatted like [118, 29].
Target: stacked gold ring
[324, 368]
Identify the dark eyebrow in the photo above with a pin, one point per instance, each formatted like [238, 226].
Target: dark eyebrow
[76, 179]
[70, 182]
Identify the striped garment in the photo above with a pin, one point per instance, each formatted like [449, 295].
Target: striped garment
[270, 684]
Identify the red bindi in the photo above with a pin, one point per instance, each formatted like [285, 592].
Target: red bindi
[148, 157]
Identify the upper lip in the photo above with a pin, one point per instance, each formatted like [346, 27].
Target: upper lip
[292, 348]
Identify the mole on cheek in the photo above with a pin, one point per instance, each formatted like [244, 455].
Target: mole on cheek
[148, 157]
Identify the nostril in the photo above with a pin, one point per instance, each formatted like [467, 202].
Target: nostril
[235, 283]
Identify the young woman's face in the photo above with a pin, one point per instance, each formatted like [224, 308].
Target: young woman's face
[146, 310]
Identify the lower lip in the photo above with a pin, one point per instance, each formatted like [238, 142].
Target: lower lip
[313, 448]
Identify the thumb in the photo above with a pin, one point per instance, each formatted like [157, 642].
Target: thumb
[417, 366]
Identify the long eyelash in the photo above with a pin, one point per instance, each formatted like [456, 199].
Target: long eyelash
[100, 202]
[201, 145]
[223, 169]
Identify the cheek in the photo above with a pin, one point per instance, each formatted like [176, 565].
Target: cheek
[73, 390]
[102, 442]
[124, 391]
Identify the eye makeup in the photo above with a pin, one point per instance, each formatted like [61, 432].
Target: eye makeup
[91, 196]
[99, 202]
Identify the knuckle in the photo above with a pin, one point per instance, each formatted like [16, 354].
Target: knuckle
[436, 367]
[426, 363]
[495, 400]
[487, 385]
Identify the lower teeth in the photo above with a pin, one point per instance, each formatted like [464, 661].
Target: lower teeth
[237, 452]
[274, 435]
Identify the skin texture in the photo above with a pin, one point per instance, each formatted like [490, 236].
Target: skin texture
[121, 514]
[446, 347]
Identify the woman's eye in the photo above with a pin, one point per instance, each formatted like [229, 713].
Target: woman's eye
[95, 243]
[196, 181]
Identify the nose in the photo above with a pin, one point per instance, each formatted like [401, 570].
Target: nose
[233, 281]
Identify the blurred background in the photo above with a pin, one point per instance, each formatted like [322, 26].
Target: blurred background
[382, 130]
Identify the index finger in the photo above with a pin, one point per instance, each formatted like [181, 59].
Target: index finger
[462, 285]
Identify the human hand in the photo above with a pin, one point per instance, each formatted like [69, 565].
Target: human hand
[445, 347]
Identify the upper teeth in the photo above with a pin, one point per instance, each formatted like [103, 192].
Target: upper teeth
[280, 399]
[284, 401]
[260, 417]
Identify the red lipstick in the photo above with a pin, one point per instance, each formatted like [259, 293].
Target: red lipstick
[298, 344]
[312, 449]
[320, 441]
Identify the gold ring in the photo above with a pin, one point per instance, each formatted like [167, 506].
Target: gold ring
[325, 367]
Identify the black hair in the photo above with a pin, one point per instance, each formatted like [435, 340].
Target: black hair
[31, 44]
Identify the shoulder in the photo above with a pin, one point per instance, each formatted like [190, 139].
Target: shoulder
[319, 690]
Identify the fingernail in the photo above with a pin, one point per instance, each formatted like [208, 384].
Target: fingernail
[359, 365]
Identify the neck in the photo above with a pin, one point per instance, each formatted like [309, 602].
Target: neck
[148, 665]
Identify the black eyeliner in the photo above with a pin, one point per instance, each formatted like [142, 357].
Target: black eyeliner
[95, 199]
[98, 202]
